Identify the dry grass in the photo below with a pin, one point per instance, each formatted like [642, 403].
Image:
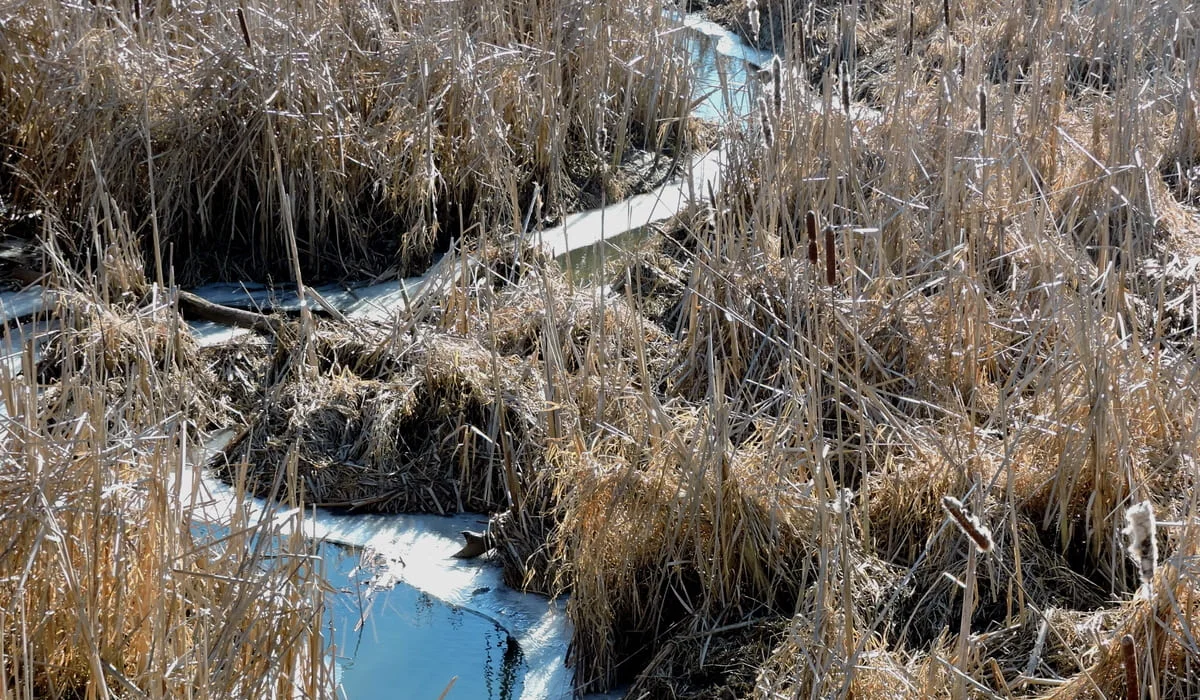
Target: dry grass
[110, 587]
[1000, 331]
[725, 450]
[429, 425]
[372, 132]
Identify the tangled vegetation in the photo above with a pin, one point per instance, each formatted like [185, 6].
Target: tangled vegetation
[905, 408]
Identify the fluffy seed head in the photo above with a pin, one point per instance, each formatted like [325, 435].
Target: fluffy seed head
[765, 117]
[1141, 530]
[777, 85]
[969, 524]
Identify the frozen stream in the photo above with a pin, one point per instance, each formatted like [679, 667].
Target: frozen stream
[418, 617]
[426, 617]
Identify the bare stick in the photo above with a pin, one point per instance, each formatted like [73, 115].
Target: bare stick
[228, 316]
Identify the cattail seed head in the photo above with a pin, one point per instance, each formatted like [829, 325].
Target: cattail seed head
[982, 110]
[777, 85]
[908, 49]
[946, 12]
[1129, 652]
[845, 88]
[810, 224]
[969, 524]
[1141, 530]
[765, 117]
[245, 28]
[830, 257]
[755, 19]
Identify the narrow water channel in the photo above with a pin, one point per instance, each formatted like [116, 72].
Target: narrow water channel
[417, 618]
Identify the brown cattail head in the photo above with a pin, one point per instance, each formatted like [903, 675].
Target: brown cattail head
[1129, 654]
[982, 110]
[845, 88]
[1141, 530]
[830, 258]
[245, 29]
[969, 524]
[946, 13]
[810, 225]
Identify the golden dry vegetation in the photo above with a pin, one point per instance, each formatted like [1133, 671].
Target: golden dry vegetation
[734, 457]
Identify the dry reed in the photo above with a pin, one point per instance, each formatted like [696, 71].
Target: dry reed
[1008, 305]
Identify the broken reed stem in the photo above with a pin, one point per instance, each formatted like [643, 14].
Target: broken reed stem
[963, 649]
[1129, 656]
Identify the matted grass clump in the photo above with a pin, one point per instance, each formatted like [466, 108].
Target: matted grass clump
[433, 423]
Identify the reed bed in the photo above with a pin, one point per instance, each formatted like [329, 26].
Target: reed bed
[885, 415]
[145, 145]
[982, 316]
[112, 587]
[366, 134]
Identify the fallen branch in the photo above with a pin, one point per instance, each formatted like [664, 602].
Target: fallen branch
[229, 316]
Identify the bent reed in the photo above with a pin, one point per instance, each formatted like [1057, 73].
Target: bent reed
[737, 455]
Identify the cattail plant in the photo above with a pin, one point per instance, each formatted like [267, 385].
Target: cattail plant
[968, 524]
[1129, 660]
[908, 48]
[1141, 530]
[810, 223]
[764, 116]
[777, 85]
[755, 19]
[245, 29]
[981, 536]
[845, 85]
[982, 110]
[830, 258]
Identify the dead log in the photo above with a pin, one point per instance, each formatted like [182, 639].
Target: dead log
[229, 316]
